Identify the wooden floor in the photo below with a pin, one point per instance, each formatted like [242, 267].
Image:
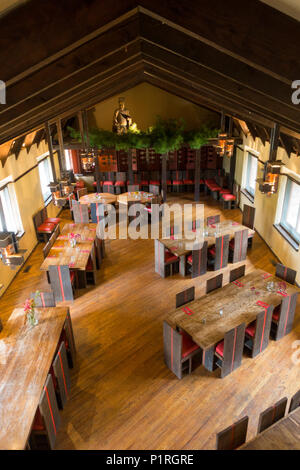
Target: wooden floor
[123, 396]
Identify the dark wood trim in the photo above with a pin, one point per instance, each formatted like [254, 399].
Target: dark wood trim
[247, 195]
[50, 147]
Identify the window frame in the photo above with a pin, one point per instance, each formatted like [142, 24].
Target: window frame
[42, 161]
[18, 228]
[286, 202]
[248, 188]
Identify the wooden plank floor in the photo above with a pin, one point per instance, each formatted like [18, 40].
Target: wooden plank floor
[123, 396]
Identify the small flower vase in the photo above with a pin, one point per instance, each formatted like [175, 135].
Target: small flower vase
[73, 242]
[31, 318]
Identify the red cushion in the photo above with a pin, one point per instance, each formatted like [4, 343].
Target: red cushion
[108, 182]
[190, 259]
[177, 182]
[276, 313]
[156, 183]
[188, 181]
[120, 183]
[169, 182]
[80, 184]
[212, 251]
[52, 220]
[46, 228]
[250, 330]
[188, 345]
[201, 181]
[89, 266]
[220, 348]
[170, 257]
[224, 191]
[72, 276]
[145, 183]
[38, 423]
[228, 197]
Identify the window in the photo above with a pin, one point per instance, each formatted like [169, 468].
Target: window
[290, 217]
[46, 177]
[68, 160]
[10, 219]
[251, 174]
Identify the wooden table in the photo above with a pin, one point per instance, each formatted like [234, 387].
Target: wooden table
[182, 247]
[63, 254]
[239, 305]
[26, 355]
[283, 435]
[105, 198]
[140, 197]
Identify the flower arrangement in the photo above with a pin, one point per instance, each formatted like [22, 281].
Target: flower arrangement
[74, 237]
[29, 309]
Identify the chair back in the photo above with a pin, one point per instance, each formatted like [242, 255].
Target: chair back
[46, 249]
[233, 436]
[121, 176]
[272, 414]
[248, 216]
[97, 212]
[172, 349]
[61, 283]
[214, 283]
[62, 374]
[185, 296]
[286, 315]
[240, 246]
[80, 213]
[133, 187]
[199, 261]
[81, 192]
[262, 330]
[237, 273]
[233, 349]
[285, 273]
[222, 252]
[295, 402]
[68, 331]
[213, 219]
[44, 299]
[154, 189]
[49, 411]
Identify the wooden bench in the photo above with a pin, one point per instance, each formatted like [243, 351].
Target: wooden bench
[44, 226]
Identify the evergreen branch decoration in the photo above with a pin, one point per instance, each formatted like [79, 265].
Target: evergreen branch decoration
[163, 137]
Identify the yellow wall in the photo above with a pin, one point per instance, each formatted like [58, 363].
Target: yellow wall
[266, 206]
[30, 200]
[145, 102]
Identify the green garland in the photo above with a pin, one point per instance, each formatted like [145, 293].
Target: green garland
[163, 137]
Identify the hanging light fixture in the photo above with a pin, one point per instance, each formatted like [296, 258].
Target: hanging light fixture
[269, 183]
[9, 252]
[87, 160]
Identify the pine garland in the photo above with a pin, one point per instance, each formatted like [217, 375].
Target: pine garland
[165, 136]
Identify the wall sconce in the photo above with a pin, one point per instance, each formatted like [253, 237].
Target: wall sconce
[269, 183]
[9, 252]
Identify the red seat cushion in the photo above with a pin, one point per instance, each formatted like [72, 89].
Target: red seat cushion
[188, 345]
[72, 276]
[190, 259]
[52, 220]
[177, 182]
[224, 191]
[276, 313]
[38, 423]
[201, 181]
[220, 348]
[156, 183]
[212, 251]
[46, 228]
[188, 181]
[170, 257]
[120, 183]
[144, 182]
[89, 266]
[228, 197]
[250, 330]
[169, 182]
[108, 182]
[80, 184]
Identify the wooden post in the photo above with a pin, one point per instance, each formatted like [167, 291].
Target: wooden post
[197, 174]
[97, 172]
[130, 172]
[164, 176]
[62, 160]
[50, 146]
[232, 169]
[86, 128]
[275, 133]
[81, 128]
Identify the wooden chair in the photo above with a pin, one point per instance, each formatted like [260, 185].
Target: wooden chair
[62, 375]
[81, 192]
[133, 188]
[46, 249]
[120, 183]
[233, 436]
[271, 415]
[154, 189]
[257, 334]
[248, 220]
[80, 213]
[97, 212]
[44, 299]
[214, 283]
[47, 419]
[218, 254]
[166, 263]
[227, 355]
[67, 336]
[194, 225]
[213, 219]
[62, 281]
[295, 402]
[283, 316]
[179, 350]
[197, 261]
[171, 231]
[237, 273]
[285, 273]
[185, 296]
[238, 246]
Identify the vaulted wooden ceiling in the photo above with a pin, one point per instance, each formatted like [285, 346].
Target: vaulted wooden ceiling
[237, 57]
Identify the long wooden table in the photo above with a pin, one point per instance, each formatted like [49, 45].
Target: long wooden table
[98, 198]
[26, 355]
[239, 304]
[182, 247]
[283, 435]
[62, 253]
[141, 197]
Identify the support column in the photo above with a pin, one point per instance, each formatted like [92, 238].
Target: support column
[97, 173]
[164, 176]
[130, 172]
[197, 174]
[50, 146]
[62, 160]
[232, 169]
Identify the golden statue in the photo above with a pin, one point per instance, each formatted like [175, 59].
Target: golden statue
[122, 120]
